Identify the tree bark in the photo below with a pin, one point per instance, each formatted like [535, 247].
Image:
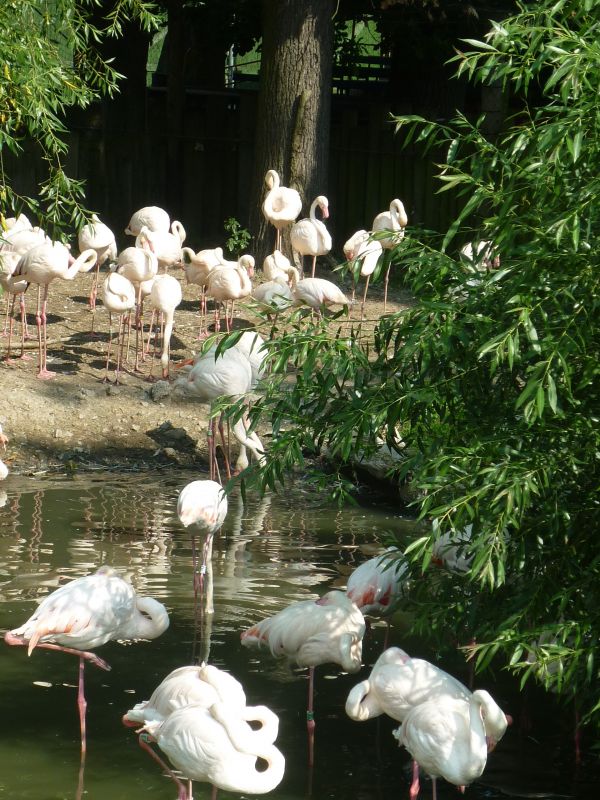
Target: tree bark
[292, 134]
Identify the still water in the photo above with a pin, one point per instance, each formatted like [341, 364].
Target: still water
[271, 551]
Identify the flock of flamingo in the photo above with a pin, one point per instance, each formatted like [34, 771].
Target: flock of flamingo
[198, 716]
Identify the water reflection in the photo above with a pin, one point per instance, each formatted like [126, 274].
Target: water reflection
[271, 551]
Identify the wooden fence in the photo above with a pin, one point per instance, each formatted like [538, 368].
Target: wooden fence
[368, 167]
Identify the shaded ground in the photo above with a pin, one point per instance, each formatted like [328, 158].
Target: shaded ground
[77, 421]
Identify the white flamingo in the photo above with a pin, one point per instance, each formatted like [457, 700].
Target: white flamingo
[166, 245]
[361, 248]
[197, 267]
[395, 221]
[87, 613]
[276, 266]
[152, 217]
[230, 283]
[165, 296]
[313, 632]
[99, 237]
[309, 236]
[281, 205]
[140, 266]
[202, 504]
[41, 265]
[17, 223]
[228, 375]
[118, 295]
[315, 292]
[216, 746]
[446, 737]
[273, 296]
[481, 256]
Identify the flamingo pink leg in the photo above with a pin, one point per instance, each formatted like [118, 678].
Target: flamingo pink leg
[43, 372]
[414, 787]
[310, 717]
[144, 742]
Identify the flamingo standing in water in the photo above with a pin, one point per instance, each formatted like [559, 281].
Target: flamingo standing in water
[376, 585]
[201, 686]
[446, 736]
[203, 504]
[309, 236]
[41, 265]
[118, 295]
[394, 221]
[361, 248]
[99, 237]
[281, 205]
[217, 746]
[85, 614]
[313, 632]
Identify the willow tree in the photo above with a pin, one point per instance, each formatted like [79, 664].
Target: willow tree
[487, 388]
[292, 134]
[52, 61]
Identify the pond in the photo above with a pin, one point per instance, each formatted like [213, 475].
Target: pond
[272, 551]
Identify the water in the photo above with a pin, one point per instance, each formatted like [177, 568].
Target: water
[271, 552]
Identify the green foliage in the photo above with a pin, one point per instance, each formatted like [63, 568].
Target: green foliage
[50, 60]
[239, 237]
[487, 387]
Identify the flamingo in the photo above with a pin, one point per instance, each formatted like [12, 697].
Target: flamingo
[165, 296]
[276, 266]
[217, 746]
[228, 375]
[315, 292]
[376, 585]
[140, 266]
[394, 221]
[118, 295]
[273, 296]
[309, 236]
[41, 265]
[446, 736]
[481, 255]
[19, 223]
[166, 245]
[361, 248]
[99, 237]
[313, 632]
[153, 217]
[87, 613]
[227, 283]
[398, 683]
[281, 205]
[253, 346]
[204, 504]
[197, 267]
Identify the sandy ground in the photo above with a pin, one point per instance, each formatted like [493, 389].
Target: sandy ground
[77, 421]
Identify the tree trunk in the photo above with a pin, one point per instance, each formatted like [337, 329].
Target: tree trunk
[293, 105]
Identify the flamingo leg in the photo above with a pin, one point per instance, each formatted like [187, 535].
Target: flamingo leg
[9, 320]
[82, 705]
[414, 787]
[120, 345]
[224, 445]
[5, 331]
[364, 300]
[24, 331]
[108, 348]
[314, 264]
[43, 372]
[144, 742]
[310, 717]
[388, 257]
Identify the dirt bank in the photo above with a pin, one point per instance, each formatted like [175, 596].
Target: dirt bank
[75, 421]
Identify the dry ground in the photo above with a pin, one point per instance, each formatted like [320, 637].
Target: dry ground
[77, 420]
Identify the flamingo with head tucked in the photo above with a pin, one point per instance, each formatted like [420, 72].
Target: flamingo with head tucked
[152, 217]
[309, 236]
[281, 205]
[87, 613]
[99, 237]
[361, 248]
[197, 267]
[313, 632]
[118, 296]
[165, 296]
[140, 266]
[315, 292]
